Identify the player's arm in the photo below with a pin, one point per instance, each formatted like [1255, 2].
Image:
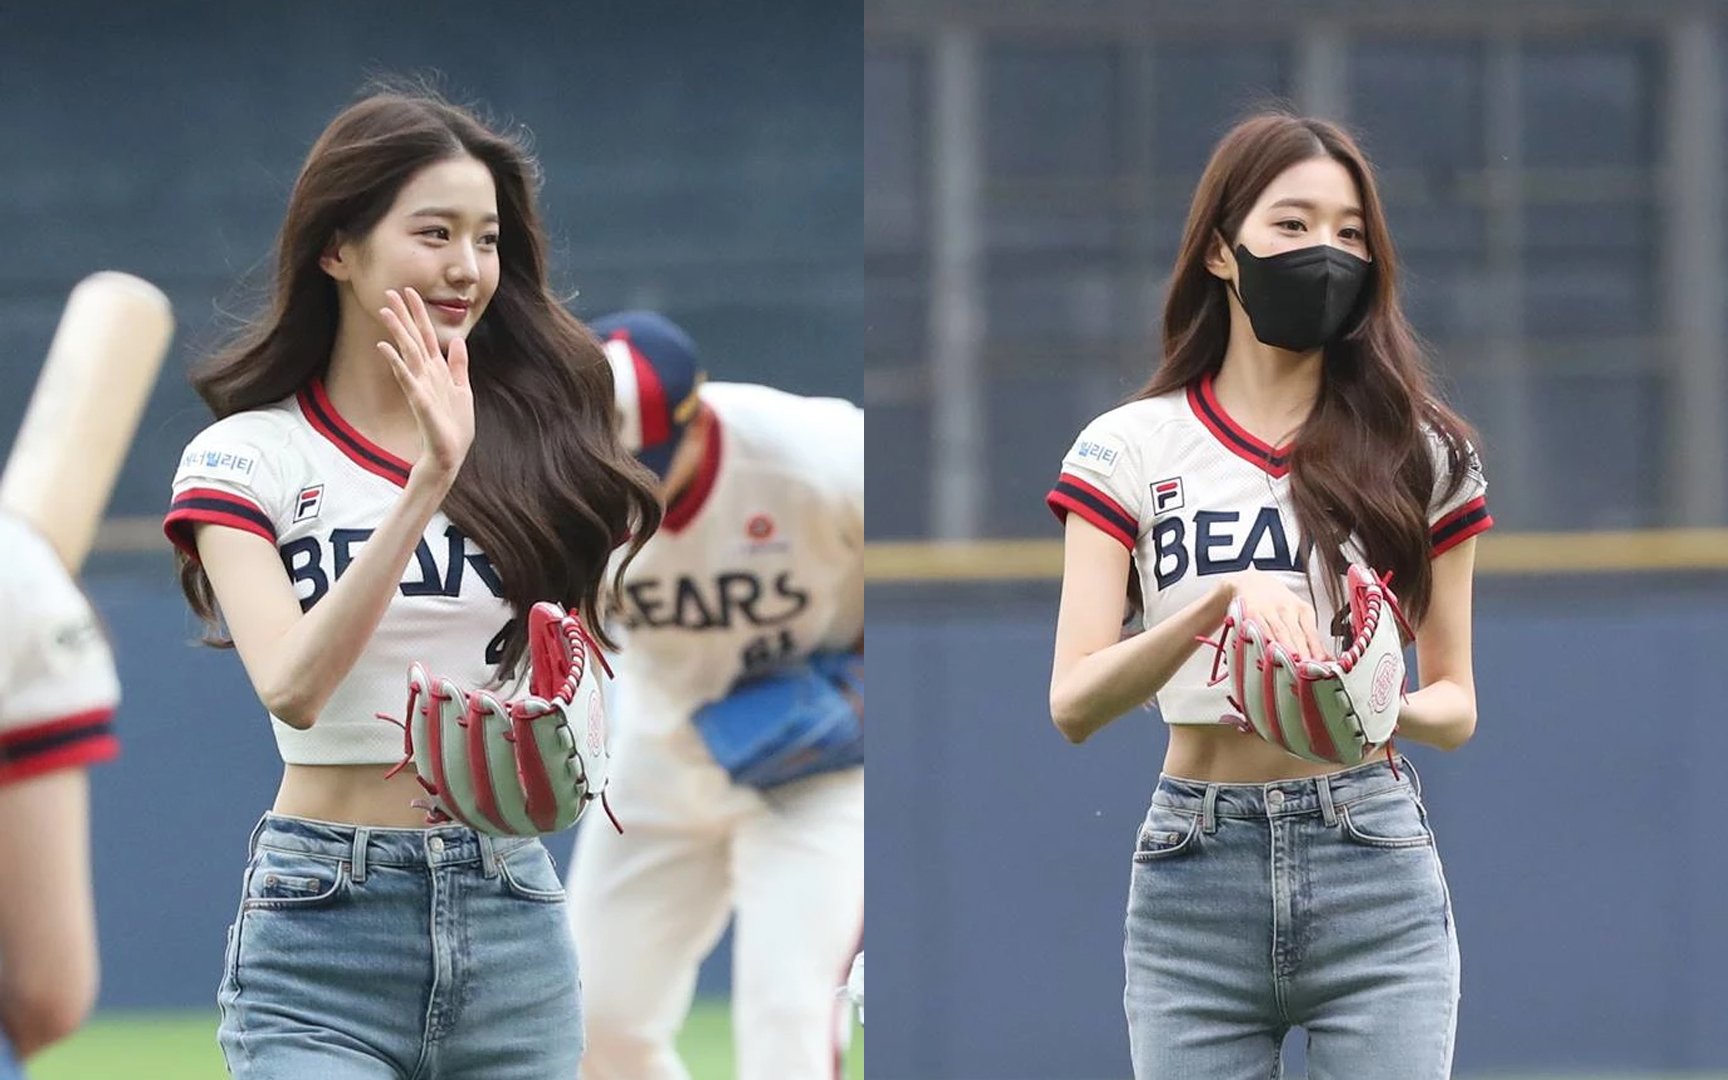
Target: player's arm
[48, 966]
[1443, 712]
[296, 660]
[1098, 675]
[60, 691]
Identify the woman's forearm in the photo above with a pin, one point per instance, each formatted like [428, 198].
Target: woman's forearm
[313, 657]
[1098, 688]
[1441, 714]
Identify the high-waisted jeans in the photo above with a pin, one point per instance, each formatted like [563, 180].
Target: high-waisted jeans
[1316, 903]
[399, 954]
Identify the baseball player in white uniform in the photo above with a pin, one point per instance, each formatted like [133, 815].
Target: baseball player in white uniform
[757, 566]
[58, 692]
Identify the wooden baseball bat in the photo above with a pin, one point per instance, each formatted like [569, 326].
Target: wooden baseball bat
[81, 419]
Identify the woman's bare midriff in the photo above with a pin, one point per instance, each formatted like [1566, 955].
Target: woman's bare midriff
[352, 795]
[1224, 755]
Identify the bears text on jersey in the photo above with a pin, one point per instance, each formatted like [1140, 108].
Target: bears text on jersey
[1216, 543]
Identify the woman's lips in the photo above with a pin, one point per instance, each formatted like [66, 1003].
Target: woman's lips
[449, 312]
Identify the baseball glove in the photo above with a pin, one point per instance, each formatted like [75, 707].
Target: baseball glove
[521, 767]
[777, 728]
[1332, 711]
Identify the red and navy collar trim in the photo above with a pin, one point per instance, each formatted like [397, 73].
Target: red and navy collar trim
[1275, 460]
[690, 501]
[322, 415]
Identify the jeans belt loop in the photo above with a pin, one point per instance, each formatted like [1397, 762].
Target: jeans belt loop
[1328, 813]
[357, 867]
[488, 855]
[252, 841]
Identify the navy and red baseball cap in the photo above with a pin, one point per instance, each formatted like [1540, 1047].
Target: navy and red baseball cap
[656, 373]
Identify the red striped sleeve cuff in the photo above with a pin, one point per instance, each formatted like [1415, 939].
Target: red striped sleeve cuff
[83, 738]
[1074, 495]
[217, 508]
[1471, 519]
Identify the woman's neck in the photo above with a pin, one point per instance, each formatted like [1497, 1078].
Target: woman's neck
[1269, 391]
[365, 391]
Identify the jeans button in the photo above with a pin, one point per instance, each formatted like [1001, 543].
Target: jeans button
[1275, 798]
[436, 845]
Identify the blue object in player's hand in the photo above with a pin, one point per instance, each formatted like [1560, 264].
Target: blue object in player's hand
[791, 724]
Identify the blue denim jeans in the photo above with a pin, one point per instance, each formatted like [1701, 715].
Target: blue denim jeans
[399, 954]
[1316, 903]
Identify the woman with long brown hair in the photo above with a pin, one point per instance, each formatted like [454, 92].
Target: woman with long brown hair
[1290, 432]
[413, 445]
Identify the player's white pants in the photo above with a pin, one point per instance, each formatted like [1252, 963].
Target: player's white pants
[647, 906]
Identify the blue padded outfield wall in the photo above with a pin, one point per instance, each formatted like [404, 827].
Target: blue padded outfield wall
[1582, 832]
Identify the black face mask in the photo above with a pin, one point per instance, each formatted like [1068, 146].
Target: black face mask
[1298, 300]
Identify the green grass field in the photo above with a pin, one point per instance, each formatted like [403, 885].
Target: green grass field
[182, 1046]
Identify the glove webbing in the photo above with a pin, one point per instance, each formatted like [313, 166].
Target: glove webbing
[1240, 721]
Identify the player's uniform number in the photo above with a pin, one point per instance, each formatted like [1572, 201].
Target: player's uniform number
[495, 647]
[768, 652]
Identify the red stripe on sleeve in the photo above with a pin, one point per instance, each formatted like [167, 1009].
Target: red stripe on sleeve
[1471, 519]
[96, 744]
[194, 505]
[178, 527]
[1062, 504]
[1109, 503]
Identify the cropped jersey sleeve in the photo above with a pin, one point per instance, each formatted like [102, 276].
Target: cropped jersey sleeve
[58, 688]
[231, 474]
[1100, 481]
[1455, 518]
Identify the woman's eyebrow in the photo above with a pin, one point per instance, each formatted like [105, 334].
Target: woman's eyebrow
[453, 215]
[1309, 205]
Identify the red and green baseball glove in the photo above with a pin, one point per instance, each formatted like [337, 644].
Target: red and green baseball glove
[521, 767]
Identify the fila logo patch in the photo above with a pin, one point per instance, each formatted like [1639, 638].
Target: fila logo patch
[308, 502]
[1167, 495]
[1095, 455]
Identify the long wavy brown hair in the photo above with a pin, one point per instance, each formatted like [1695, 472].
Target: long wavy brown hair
[547, 490]
[1360, 463]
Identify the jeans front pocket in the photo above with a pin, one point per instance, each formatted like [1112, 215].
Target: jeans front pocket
[1166, 832]
[280, 880]
[529, 873]
[1393, 819]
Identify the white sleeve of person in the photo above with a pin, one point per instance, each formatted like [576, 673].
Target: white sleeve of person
[1455, 518]
[229, 476]
[1101, 482]
[58, 687]
[1333, 711]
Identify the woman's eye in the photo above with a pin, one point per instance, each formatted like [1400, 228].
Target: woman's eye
[489, 240]
[1291, 224]
[1352, 234]
[437, 232]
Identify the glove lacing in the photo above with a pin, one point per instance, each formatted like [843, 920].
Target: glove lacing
[1347, 660]
[579, 645]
